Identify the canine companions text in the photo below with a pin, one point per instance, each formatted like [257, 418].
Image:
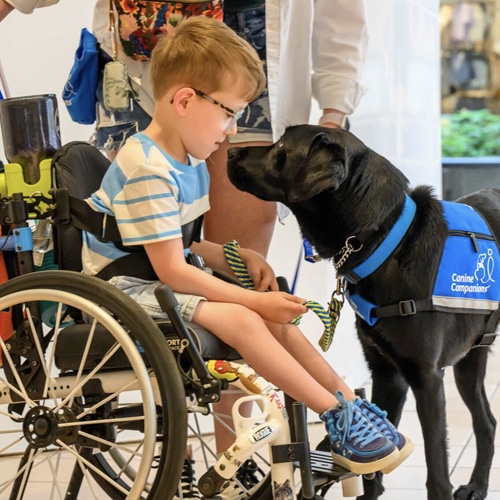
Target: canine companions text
[414, 316]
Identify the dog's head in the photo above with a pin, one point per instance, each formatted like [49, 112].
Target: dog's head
[328, 172]
[304, 162]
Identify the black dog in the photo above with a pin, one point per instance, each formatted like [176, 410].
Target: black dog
[386, 241]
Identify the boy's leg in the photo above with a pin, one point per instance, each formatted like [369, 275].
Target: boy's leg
[355, 442]
[295, 342]
[247, 332]
[313, 361]
[233, 214]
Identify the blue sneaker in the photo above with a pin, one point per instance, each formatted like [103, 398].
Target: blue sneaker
[378, 418]
[356, 444]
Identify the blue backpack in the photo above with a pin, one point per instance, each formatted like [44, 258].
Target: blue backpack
[79, 94]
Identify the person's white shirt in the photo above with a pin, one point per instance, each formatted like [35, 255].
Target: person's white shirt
[316, 49]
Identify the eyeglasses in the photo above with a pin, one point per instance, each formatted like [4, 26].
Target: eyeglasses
[235, 115]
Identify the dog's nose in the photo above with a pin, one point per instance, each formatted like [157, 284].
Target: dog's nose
[233, 153]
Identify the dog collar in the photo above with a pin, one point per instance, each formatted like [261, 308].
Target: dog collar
[385, 249]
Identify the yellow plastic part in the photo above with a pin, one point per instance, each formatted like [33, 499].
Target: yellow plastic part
[12, 181]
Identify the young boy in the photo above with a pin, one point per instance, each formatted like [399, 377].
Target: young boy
[203, 77]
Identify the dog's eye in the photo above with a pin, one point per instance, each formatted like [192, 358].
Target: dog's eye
[280, 143]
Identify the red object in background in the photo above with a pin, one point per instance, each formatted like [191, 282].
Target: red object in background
[6, 329]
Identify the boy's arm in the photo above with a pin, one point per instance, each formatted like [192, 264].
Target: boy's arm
[213, 255]
[167, 259]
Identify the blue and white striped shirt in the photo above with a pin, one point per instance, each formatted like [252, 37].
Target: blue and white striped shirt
[150, 194]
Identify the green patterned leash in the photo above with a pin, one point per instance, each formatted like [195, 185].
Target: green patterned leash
[236, 264]
[329, 319]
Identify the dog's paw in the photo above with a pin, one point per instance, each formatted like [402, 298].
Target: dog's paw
[470, 492]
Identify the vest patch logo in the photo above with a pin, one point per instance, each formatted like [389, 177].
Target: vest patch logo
[483, 275]
[468, 277]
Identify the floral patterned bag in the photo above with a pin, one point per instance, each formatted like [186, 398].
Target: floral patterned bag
[141, 22]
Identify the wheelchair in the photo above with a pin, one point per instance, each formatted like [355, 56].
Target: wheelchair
[98, 400]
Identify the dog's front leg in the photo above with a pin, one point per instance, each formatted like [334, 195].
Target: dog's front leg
[389, 390]
[431, 409]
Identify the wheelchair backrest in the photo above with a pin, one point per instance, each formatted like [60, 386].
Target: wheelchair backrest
[79, 168]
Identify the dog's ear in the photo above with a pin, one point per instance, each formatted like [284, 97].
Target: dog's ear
[324, 168]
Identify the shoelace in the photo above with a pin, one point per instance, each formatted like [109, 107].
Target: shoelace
[353, 425]
[239, 269]
[247, 474]
[188, 487]
[376, 415]
[232, 491]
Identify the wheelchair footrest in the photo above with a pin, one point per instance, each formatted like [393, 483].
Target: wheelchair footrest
[322, 463]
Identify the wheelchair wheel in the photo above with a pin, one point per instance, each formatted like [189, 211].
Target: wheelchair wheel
[91, 399]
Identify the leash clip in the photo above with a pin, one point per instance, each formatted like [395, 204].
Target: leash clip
[341, 287]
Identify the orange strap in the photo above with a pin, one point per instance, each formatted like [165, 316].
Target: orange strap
[6, 329]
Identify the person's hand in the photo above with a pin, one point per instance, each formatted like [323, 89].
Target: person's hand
[330, 125]
[333, 118]
[278, 307]
[260, 271]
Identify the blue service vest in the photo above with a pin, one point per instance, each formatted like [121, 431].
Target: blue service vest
[468, 277]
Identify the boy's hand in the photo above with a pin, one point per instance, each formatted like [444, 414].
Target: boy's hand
[260, 271]
[278, 307]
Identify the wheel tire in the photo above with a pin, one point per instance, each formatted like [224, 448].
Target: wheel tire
[161, 392]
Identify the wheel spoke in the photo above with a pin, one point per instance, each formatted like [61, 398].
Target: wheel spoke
[11, 444]
[50, 362]
[111, 397]
[23, 471]
[89, 376]
[111, 444]
[22, 390]
[84, 357]
[89, 465]
[54, 473]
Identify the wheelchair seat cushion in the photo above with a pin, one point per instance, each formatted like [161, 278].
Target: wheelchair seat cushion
[72, 342]
[211, 347]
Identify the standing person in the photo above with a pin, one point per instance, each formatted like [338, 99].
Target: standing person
[203, 78]
[313, 49]
[114, 128]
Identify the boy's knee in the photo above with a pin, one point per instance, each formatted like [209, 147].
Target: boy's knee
[243, 318]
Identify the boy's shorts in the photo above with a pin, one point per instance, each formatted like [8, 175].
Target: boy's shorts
[143, 292]
[113, 129]
[255, 124]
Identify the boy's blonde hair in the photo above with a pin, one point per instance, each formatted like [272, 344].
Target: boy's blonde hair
[205, 54]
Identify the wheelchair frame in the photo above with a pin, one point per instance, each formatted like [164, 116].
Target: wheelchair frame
[77, 409]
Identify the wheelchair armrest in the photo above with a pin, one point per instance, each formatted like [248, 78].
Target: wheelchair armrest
[226, 277]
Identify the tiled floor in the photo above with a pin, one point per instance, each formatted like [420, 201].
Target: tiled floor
[408, 481]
